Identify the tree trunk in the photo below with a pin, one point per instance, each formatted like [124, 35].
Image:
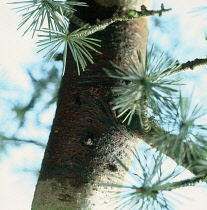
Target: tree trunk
[86, 136]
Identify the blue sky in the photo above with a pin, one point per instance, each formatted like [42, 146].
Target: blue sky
[18, 53]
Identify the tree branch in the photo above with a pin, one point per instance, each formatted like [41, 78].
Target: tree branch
[183, 183]
[79, 22]
[37, 143]
[189, 65]
[126, 16]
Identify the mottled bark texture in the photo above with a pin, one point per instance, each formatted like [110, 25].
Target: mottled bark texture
[86, 135]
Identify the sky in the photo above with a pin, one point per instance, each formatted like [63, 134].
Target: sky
[17, 53]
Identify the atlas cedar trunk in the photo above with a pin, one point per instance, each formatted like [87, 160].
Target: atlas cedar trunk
[85, 135]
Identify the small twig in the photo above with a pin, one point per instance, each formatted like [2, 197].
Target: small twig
[101, 25]
[4, 138]
[183, 183]
[189, 65]
[126, 16]
[79, 22]
[144, 116]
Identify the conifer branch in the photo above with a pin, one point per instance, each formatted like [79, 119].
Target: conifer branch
[183, 183]
[185, 142]
[126, 16]
[189, 65]
[193, 167]
[38, 12]
[173, 185]
[144, 89]
[101, 25]
[148, 184]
